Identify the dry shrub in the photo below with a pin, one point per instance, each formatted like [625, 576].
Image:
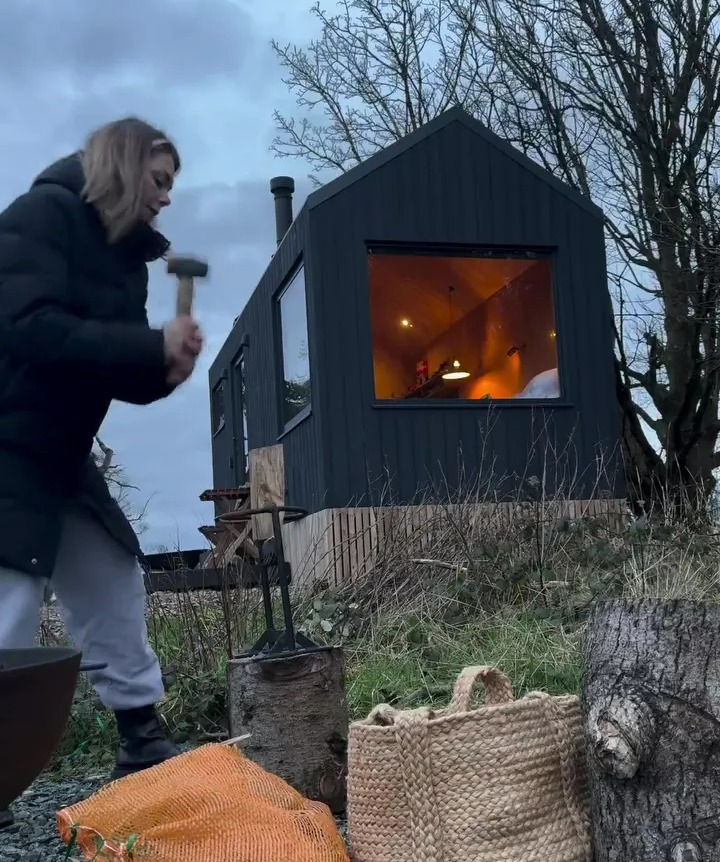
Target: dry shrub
[470, 576]
[501, 570]
[551, 537]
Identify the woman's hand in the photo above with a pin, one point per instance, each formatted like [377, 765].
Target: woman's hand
[183, 343]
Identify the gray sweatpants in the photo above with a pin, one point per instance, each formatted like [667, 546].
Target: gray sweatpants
[100, 590]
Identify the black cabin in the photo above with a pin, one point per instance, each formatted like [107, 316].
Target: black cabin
[437, 314]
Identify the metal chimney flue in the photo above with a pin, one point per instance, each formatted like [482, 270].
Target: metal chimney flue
[282, 189]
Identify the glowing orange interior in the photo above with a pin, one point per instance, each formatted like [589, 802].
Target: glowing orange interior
[498, 321]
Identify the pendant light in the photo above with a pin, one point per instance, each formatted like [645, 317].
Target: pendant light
[456, 371]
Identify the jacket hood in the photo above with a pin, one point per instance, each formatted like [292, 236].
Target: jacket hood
[144, 241]
[66, 172]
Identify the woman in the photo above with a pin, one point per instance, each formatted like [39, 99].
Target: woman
[74, 336]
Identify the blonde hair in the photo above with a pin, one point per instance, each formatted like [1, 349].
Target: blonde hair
[115, 161]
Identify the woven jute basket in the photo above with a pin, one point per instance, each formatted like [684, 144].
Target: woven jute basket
[501, 782]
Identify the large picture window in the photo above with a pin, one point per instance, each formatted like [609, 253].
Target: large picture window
[462, 327]
[295, 359]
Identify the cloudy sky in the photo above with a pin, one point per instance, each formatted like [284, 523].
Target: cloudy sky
[204, 71]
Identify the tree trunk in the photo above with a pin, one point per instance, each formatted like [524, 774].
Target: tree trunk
[296, 712]
[651, 699]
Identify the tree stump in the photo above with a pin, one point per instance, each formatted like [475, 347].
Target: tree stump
[651, 700]
[296, 712]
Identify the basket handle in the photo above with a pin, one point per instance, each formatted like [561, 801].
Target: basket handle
[496, 685]
[385, 715]
[382, 714]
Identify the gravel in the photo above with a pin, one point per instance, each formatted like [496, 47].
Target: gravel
[34, 836]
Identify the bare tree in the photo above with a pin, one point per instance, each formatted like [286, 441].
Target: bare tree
[618, 98]
[119, 487]
[380, 70]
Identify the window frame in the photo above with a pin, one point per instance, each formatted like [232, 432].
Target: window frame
[218, 427]
[480, 251]
[286, 425]
[238, 378]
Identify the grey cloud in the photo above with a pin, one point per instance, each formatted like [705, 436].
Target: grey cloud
[166, 447]
[202, 70]
[239, 214]
[233, 227]
[167, 41]
[78, 118]
[40, 130]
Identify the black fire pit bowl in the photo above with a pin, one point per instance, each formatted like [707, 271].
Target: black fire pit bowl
[36, 693]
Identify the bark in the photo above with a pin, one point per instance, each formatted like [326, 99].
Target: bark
[296, 712]
[651, 699]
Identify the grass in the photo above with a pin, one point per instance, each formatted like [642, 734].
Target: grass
[405, 662]
[409, 665]
[512, 591]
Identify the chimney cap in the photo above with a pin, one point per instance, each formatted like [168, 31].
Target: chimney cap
[282, 184]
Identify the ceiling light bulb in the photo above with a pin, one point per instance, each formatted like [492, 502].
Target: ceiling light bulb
[457, 373]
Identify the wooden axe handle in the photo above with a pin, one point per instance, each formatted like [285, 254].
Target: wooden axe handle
[185, 295]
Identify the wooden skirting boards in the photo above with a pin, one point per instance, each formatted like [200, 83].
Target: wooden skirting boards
[336, 545]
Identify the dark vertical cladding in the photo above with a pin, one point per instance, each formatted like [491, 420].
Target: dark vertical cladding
[282, 189]
[254, 336]
[472, 193]
[454, 186]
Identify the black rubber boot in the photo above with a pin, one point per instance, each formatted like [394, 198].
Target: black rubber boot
[6, 818]
[143, 742]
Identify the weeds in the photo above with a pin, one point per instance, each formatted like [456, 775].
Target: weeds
[448, 583]
[100, 844]
[409, 662]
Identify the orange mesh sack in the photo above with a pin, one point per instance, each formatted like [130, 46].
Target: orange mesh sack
[209, 805]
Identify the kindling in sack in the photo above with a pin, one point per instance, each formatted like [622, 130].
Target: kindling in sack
[501, 782]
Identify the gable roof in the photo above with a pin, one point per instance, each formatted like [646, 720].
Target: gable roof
[442, 121]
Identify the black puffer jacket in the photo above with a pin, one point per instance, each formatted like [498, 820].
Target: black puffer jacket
[74, 335]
